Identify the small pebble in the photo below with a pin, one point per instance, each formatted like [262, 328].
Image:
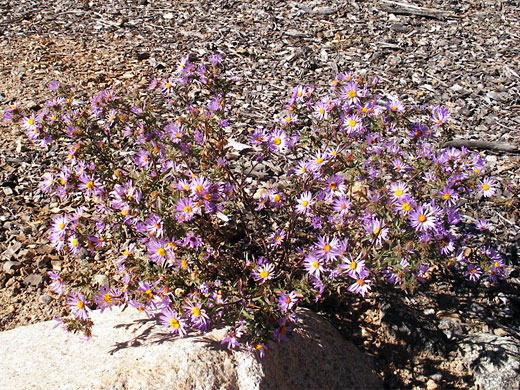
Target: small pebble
[45, 299]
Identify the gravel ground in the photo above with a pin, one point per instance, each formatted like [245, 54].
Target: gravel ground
[463, 54]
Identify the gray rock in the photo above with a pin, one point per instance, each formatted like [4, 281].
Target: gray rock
[11, 266]
[45, 299]
[129, 351]
[101, 280]
[492, 361]
[35, 280]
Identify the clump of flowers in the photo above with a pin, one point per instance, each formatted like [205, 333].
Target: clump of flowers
[354, 191]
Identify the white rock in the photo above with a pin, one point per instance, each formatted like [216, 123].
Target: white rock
[131, 352]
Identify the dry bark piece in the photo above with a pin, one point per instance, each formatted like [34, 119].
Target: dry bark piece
[396, 7]
[485, 145]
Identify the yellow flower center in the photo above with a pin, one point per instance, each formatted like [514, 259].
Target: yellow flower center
[161, 252]
[187, 209]
[277, 198]
[80, 305]
[352, 94]
[360, 282]
[319, 160]
[326, 248]
[485, 186]
[322, 111]
[74, 242]
[377, 231]
[305, 203]
[496, 264]
[398, 193]
[421, 218]
[278, 238]
[90, 184]
[405, 206]
[264, 274]
[316, 265]
[446, 196]
[174, 323]
[199, 189]
[333, 185]
[107, 298]
[126, 252]
[184, 264]
[353, 265]
[352, 123]
[168, 85]
[195, 311]
[394, 108]
[288, 119]
[31, 121]
[62, 226]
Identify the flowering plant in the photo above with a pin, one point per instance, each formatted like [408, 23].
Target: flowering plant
[202, 223]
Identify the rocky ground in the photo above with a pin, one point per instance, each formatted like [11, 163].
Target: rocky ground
[463, 54]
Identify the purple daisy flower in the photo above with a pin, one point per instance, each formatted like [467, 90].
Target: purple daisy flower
[304, 203]
[395, 105]
[263, 272]
[154, 225]
[142, 159]
[277, 237]
[440, 115]
[280, 333]
[232, 337]
[349, 93]
[57, 284]
[106, 298]
[171, 320]
[258, 137]
[277, 141]
[313, 265]
[74, 246]
[326, 248]
[360, 286]
[287, 301]
[473, 272]
[354, 267]
[487, 186]
[398, 191]
[158, 251]
[352, 124]
[59, 225]
[321, 110]
[341, 206]
[78, 304]
[422, 219]
[186, 209]
[482, 225]
[198, 317]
